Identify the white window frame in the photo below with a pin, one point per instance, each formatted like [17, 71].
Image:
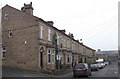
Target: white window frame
[68, 41]
[72, 46]
[68, 59]
[41, 31]
[65, 43]
[69, 56]
[62, 59]
[58, 39]
[3, 52]
[10, 33]
[53, 55]
[49, 54]
[6, 16]
[49, 34]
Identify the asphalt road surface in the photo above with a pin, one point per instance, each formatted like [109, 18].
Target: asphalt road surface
[110, 71]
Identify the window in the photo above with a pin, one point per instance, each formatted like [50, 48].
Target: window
[53, 57]
[72, 46]
[68, 43]
[10, 35]
[58, 39]
[3, 47]
[62, 59]
[3, 51]
[6, 15]
[61, 41]
[3, 55]
[41, 31]
[61, 45]
[49, 34]
[69, 59]
[49, 56]
[64, 43]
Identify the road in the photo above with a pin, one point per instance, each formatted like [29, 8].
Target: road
[109, 71]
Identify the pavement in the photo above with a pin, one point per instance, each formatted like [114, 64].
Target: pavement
[10, 72]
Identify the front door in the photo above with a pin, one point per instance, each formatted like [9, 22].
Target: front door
[41, 57]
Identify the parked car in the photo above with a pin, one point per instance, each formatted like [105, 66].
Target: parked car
[103, 65]
[100, 65]
[106, 63]
[82, 69]
[94, 67]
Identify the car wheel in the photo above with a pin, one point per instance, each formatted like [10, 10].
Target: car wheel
[90, 74]
[87, 75]
[74, 75]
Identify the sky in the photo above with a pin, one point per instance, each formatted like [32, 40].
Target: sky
[93, 21]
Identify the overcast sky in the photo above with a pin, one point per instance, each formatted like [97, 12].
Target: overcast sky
[94, 21]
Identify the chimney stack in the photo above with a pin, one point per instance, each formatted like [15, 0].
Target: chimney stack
[71, 35]
[28, 8]
[81, 41]
[50, 22]
[63, 30]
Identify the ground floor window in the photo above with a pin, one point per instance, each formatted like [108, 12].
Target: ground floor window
[53, 57]
[3, 55]
[69, 59]
[49, 56]
[3, 51]
[62, 59]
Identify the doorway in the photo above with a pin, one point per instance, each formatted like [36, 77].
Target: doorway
[41, 57]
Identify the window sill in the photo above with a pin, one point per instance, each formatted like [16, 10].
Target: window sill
[3, 58]
[49, 63]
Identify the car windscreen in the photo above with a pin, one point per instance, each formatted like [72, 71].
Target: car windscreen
[80, 66]
[93, 65]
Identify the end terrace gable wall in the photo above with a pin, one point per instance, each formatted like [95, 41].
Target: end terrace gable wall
[25, 28]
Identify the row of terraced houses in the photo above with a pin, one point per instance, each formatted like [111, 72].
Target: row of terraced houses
[30, 43]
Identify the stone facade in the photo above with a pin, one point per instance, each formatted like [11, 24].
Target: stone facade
[34, 44]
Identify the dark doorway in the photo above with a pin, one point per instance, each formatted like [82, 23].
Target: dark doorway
[41, 57]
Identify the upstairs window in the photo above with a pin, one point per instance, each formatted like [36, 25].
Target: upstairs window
[10, 35]
[68, 43]
[49, 34]
[72, 46]
[41, 31]
[6, 16]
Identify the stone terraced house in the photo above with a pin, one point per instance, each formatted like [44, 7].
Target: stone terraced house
[31, 43]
